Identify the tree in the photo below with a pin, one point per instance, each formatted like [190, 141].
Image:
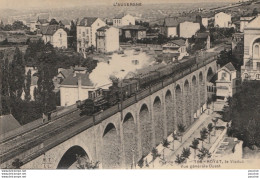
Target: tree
[181, 129]
[194, 146]
[174, 137]
[83, 163]
[27, 86]
[17, 163]
[53, 22]
[185, 153]
[255, 12]
[140, 163]
[16, 75]
[204, 153]
[215, 120]
[155, 154]
[179, 159]
[165, 144]
[210, 129]
[203, 135]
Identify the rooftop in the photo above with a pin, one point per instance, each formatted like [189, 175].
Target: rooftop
[87, 21]
[229, 66]
[42, 21]
[104, 28]
[133, 27]
[73, 80]
[202, 35]
[179, 42]
[8, 123]
[175, 21]
[49, 29]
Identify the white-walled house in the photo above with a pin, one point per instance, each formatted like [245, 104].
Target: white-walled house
[227, 82]
[107, 39]
[75, 87]
[86, 32]
[188, 29]
[123, 20]
[244, 22]
[55, 35]
[222, 20]
[178, 47]
[169, 27]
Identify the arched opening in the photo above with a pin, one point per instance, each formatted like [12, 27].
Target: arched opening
[210, 74]
[202, 89]
[111, 148]
[158, 120]
[69, 159]
[187, 102]
[169, 112]
[195, 95]
[130, 140]
[146, 130]
[179, 105]
[256, 49]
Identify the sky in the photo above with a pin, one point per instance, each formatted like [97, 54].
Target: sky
[25, 4]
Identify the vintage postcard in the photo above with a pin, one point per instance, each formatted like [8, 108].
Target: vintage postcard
[129, 84]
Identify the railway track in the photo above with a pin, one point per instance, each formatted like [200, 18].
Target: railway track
[12, 148]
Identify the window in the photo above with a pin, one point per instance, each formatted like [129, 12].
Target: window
[60, 35]
[246, 75]
[83, 34]
[86, 31]
[223, 76]
[256, 50]
[257, 76]
[79, 31]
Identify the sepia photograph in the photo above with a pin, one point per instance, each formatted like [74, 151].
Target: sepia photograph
[129, 85]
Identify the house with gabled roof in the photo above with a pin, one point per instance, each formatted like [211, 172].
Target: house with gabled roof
[86, 33]
[55, 35]
[123, 20]
[227, 82]
[75, 87]
[176, 47]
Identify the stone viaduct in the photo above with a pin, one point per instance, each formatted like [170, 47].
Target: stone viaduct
[130, 133]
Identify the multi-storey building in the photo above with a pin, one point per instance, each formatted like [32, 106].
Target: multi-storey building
[251, 61]
[86, 33]
[123, 20]
[222, 20]
[107, 39]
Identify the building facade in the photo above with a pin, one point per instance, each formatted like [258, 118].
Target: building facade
[123, 20]
[132, 32]
[244, 22]
[227, 82]
[75, 87]
[169, 27]
[222, 20]
[251, 60]
[55, 35]
[188, 29]
[177, 47]
[86, 33]
[107, 39]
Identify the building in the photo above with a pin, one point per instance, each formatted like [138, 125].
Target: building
[238, 46]
[86, 32]
[169, 27]
[188, 29]
[55, 35]
[65, 23]
[132, 32]
[107, 39]
[123, 20]
[33, 26]
[75, 87]
[251, 60]
[177, 47]
[8, 123]
[41, 22]
[244, 21]
[227, 82]
[222, 20]
[202, 39]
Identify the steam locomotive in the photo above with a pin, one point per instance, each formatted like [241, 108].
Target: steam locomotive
[102, 99]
